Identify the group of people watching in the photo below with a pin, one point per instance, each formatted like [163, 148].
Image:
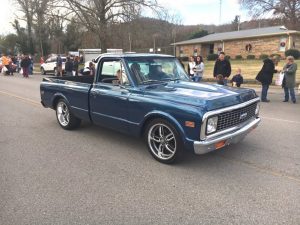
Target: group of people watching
[196, 68]
[222, 72]
[72, 67]
[13, 64]
[265, 77]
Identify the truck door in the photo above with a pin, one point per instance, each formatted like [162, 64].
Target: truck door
[109, 96]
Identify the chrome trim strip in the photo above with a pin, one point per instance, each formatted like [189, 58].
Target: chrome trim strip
[218, 111]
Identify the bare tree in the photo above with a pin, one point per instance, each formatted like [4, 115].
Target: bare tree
[97, 15]
[288, 10]
[27, 7]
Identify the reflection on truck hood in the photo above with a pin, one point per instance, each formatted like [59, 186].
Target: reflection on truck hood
[202, 95]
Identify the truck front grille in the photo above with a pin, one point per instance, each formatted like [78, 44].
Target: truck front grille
[233, 118]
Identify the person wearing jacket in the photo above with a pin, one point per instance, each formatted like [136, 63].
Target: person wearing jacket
[76, 65]
[25, 63]
[265, 76]
[223, 67]
[191, 66]
[198, 69]
[289, 79]
[69, 67]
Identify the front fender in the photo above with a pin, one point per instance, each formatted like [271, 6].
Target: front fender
[163, 115]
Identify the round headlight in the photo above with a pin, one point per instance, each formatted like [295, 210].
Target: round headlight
[212, 124]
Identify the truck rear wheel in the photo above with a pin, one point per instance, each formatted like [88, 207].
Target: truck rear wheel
[164, 142]
[65, 117]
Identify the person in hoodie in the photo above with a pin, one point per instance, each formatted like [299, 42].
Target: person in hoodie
[265, 76]
[223, 67]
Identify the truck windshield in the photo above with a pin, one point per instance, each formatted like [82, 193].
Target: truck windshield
[156, 69]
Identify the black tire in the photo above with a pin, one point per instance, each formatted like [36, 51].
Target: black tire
[65, 117]
[163, 141]
[43, 72]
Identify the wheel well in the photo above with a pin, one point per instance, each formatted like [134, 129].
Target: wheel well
[153, 117]
[56, 101]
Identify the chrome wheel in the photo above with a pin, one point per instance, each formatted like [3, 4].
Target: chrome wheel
[162, 141]
[63, 114]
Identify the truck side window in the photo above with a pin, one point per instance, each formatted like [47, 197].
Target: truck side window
[113, 72]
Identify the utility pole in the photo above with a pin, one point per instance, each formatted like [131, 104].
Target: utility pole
[129, 37]
[239, 22]
[220, 14]
[154, 44]
[174, 46]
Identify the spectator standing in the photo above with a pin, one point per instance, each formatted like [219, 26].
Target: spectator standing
[11, 65]
[69, 66]
[198, 69]
[59, 65]
[5, 62]
[223, 67]
[30, 67]
[265, 76]
[289, 79]
[76, 65]
[25, 64]
[92, 69]
[191, 66]
[42, 60]
[237, 79]
[18, 61]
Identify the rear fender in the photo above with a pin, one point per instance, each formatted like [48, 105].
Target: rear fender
[56, 97]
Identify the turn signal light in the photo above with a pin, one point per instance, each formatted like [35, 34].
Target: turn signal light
[190, 124]
[220, 144]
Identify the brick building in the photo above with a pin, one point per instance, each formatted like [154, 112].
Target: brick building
[268, 40]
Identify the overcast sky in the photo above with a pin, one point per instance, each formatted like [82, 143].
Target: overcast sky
[192, 12]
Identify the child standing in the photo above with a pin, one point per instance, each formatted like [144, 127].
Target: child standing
[220, 79]
[237, 79]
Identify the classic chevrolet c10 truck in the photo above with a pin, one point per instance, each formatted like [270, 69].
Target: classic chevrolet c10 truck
[151, 96]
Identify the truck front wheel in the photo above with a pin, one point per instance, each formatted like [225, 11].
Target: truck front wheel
[65, 117]
[164, 142]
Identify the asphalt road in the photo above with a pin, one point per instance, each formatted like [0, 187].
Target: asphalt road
[97, 176]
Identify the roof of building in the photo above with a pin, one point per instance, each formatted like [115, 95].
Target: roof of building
[242, 34]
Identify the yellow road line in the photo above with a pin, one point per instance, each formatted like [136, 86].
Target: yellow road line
[282, 120]
[27, 100]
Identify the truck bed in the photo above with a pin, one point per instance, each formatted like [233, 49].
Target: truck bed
[81, 79]
[74, 89]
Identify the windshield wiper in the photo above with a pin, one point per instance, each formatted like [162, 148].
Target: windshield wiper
[152, 81]
[175, 79]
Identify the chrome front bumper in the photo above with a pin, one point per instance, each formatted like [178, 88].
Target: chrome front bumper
[208, 145]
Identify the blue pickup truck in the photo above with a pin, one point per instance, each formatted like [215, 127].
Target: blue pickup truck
[151, 96]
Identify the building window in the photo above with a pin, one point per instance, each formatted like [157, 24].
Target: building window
[211, 48]
[248, 47]
[195, 51]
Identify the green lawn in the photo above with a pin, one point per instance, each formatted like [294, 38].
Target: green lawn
[249, 68]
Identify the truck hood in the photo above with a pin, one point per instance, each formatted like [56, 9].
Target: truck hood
[207, 96]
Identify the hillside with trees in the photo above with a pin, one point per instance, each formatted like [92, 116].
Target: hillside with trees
[52, 26]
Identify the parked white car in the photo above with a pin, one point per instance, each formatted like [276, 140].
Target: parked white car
[49, 66]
